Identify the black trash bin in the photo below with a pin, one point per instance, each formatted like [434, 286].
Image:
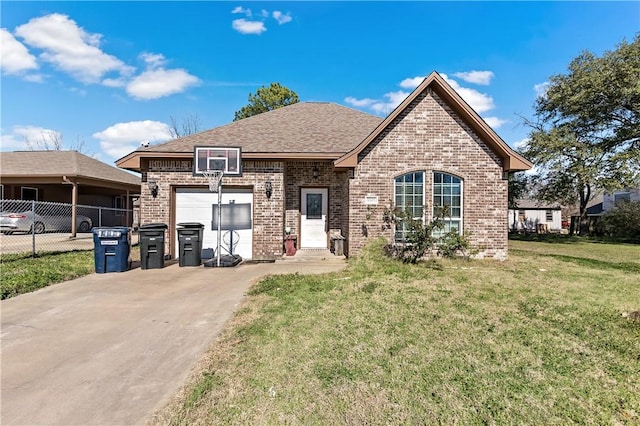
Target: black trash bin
[151, 239]
[111, 247]
[190, 243]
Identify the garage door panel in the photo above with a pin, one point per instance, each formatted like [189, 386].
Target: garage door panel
[196, 205]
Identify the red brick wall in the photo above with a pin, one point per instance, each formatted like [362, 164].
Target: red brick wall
[428, 136]
[268, 214]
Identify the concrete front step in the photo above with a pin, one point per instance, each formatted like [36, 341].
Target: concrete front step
[314, 255]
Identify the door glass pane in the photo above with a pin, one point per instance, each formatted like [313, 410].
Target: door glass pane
[314, 206]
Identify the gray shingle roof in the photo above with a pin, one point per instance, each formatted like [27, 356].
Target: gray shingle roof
[61, 163]
[529, 203]
[304, 127]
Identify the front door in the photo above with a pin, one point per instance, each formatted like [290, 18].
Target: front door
[313, 220]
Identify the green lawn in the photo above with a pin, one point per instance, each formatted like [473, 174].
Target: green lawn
[21, 273]
[538, 339]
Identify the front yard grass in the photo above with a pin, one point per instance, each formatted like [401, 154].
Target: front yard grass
[538, 339]
[21, 273]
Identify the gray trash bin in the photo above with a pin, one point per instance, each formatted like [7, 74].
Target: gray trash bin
[190, 243]
[151, 239]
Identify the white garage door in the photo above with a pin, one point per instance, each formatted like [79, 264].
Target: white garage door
[196, 205]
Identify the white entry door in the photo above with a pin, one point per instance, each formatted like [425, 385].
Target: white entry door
[313, 221]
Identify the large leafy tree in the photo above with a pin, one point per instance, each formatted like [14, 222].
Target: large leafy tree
[266, 99]
[587, 134]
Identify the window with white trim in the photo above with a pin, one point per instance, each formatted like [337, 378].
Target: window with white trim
[549, 215]
[409, 196]
[447, 195]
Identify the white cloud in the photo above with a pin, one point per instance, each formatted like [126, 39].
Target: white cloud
[122, 138]
[156, 83]
[264, 13]
[70, 48]
[240, 9]
[248, 27]
[541, 89]
[480, 102]
[14, 56]
[476, 77]
[393, 100]
[495, 122]
[521, 143]
[153, 60]
[281, 18]
[412, 83]
[21, 137]
[359, 102]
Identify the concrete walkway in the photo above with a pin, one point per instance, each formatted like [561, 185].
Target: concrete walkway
[111, 349]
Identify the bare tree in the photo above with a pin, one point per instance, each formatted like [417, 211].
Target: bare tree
[49, 140]
[190, 124]
[52, 140]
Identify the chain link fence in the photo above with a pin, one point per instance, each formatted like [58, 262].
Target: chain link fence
[38, 226]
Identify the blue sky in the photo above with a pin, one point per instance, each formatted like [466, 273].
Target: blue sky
[112, 74]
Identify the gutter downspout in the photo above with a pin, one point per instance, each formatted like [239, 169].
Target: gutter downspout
[74, 201]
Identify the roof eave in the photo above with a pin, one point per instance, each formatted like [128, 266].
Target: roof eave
[133, 160]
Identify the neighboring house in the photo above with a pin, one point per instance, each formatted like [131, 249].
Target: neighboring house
[66, 177]
[604, 201]
[535, 216]
[320, 169]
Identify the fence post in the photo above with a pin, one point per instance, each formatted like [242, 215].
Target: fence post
[33, 228]
[100, 216]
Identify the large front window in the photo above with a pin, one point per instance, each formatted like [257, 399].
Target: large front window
[447, 196]
[409, 191]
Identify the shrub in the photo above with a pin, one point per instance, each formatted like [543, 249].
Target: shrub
[623, 221]
[422, 237]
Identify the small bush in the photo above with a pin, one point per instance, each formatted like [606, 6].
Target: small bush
[452, 244]
[623, 221]
[423, 238]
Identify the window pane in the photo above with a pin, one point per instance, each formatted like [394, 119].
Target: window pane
[418, 177]
[447, 179]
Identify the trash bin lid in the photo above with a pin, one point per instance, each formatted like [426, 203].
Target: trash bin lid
[154, 226]
[191, 225]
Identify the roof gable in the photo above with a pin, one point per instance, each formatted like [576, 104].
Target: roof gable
[512, 161]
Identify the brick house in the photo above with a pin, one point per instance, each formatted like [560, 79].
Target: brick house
[318, 169]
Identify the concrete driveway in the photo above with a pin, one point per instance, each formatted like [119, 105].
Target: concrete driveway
[111, 349]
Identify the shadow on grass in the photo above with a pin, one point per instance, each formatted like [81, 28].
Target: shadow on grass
[592, 263]
[600, 264]
[568, 239]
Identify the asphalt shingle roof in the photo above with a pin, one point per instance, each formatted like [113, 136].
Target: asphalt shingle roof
[304, 127]
[61, 163]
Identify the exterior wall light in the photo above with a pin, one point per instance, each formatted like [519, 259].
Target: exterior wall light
[316, 172]
[268, 188]
[153, 187]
